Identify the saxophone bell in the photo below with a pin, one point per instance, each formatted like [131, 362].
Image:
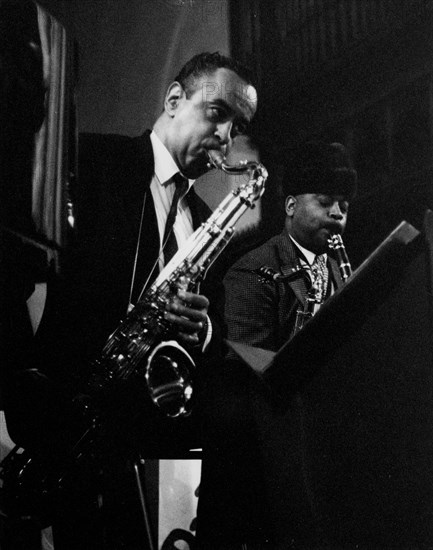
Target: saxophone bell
[169, 378]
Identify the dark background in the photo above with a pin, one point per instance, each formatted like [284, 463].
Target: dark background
[350, 71]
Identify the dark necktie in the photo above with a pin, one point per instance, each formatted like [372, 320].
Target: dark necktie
[169, 241]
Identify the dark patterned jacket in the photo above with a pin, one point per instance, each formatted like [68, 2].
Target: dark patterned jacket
[259, 313]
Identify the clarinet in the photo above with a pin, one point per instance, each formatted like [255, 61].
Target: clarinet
[336, 244]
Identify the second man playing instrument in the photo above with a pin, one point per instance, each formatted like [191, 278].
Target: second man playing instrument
[250, 444]
[318, 187]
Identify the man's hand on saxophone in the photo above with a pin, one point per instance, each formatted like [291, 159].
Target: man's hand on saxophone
[189, 316]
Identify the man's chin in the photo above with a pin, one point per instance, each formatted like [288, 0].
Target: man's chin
[321, 246]
[197, 167]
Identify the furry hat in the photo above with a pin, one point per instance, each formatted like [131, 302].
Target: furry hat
[318, 167]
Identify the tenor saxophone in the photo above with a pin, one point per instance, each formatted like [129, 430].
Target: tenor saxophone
[143, 345]
[144, 342]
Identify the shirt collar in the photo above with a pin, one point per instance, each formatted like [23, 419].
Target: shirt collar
[165, 167]
[309, 256]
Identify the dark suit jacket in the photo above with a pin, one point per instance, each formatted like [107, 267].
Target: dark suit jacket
[262, 314]
[251, 443]
[86, 303]
[115, 174]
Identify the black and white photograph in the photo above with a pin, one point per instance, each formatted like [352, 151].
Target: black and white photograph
[216, 275]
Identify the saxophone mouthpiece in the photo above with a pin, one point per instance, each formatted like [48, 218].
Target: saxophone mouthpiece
[216, 159]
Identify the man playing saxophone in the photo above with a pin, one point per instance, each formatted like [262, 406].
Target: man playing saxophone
[135, 206]
[270, 294]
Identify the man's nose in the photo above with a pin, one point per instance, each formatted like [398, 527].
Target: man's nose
[336, 212]
[224, 132]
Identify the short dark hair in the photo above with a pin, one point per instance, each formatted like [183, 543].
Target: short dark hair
[205, 64]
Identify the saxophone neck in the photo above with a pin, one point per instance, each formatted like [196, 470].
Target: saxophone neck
[255, 169]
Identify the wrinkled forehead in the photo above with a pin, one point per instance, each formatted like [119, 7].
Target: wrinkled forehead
[225, 86]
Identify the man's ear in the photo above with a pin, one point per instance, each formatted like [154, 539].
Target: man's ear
[290, 205]
[174, 94]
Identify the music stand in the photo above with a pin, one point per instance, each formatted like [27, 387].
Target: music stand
[361, 373]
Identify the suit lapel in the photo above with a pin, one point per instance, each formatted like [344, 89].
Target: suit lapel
[290, 264]
[299, 288]
[140, 196]
[143, 168]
